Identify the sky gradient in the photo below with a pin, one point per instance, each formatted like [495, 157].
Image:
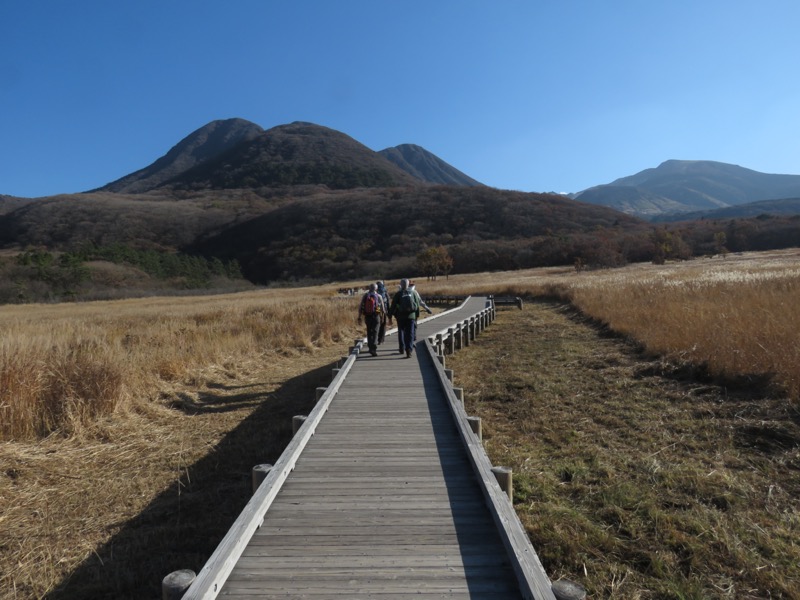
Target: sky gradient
[535, 96]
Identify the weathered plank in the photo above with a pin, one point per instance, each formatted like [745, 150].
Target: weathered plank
[382, 502]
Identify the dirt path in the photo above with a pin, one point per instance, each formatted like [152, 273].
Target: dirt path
[631, 478]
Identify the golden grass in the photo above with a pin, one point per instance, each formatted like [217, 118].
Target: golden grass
[630, 481]
[130, 427]
[736, 318]
[116, 415]
[63, 366]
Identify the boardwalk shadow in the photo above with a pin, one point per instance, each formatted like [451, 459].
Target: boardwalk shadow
[181, 527]
[487, 567]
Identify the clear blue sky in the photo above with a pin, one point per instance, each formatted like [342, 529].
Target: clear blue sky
[533, 95]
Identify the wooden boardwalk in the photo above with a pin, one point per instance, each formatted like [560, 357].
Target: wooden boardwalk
[383, 501]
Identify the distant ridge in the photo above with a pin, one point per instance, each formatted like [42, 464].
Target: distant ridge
[683, 186]
[426, 166]
[783, 207]
[202, 145]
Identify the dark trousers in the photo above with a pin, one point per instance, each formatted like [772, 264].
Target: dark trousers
[373, 326]
[406, 333]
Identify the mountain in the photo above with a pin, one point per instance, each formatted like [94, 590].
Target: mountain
[783, 207]
[682, 186]
[356, 233]
[236, 153]
[426, 166]
[207, 143]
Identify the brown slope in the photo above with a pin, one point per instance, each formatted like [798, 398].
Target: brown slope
[297, 154]
[202, 145]
[426, 166]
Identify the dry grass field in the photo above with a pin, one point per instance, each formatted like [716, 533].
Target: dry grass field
[657, 462]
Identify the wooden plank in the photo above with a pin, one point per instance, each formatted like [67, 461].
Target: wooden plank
[382, 502]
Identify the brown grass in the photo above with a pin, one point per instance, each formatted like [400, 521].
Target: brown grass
[63, 366]
[631, 482]
[736, 319]
[130, 427]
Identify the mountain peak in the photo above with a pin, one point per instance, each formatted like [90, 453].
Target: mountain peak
[205, 143]
[426, 166]
[682, 186]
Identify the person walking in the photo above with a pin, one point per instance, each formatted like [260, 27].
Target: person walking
[370, 310]
[385, 295]
[405, 309]
[412, 286]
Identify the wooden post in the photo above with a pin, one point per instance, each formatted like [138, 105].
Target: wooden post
[459, 392]
[319, 392]
[259, 473]
[441, 358]
[297, 423]
[334, 373]
[519, 302]
[450, 340]
[564, 589]
[449, 374]
[174, 585]
[465, 332]
[439, 344]
[475, 425]
[504, 477]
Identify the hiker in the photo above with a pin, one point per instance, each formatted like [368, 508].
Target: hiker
[370, 310]
[405, 309]
[384, 317]
[412, 286]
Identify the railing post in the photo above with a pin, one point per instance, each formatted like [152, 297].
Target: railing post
[476, 426]
[451, 340]
[174, 585]
[504, 477]
[465, 333]
[564, 589]
[297, 423]
[459, 392]
[258, 474]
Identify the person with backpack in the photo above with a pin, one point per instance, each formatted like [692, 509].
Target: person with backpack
[421, 302]
[405, 308]
[385, 295]
[370, 310]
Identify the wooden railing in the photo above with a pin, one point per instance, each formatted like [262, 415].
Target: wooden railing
[499, 301]
[495, 482]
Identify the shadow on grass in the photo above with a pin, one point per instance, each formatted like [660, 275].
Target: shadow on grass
[181, 527]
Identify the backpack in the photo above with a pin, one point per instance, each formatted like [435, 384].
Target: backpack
[371, 305]
[408, 303]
